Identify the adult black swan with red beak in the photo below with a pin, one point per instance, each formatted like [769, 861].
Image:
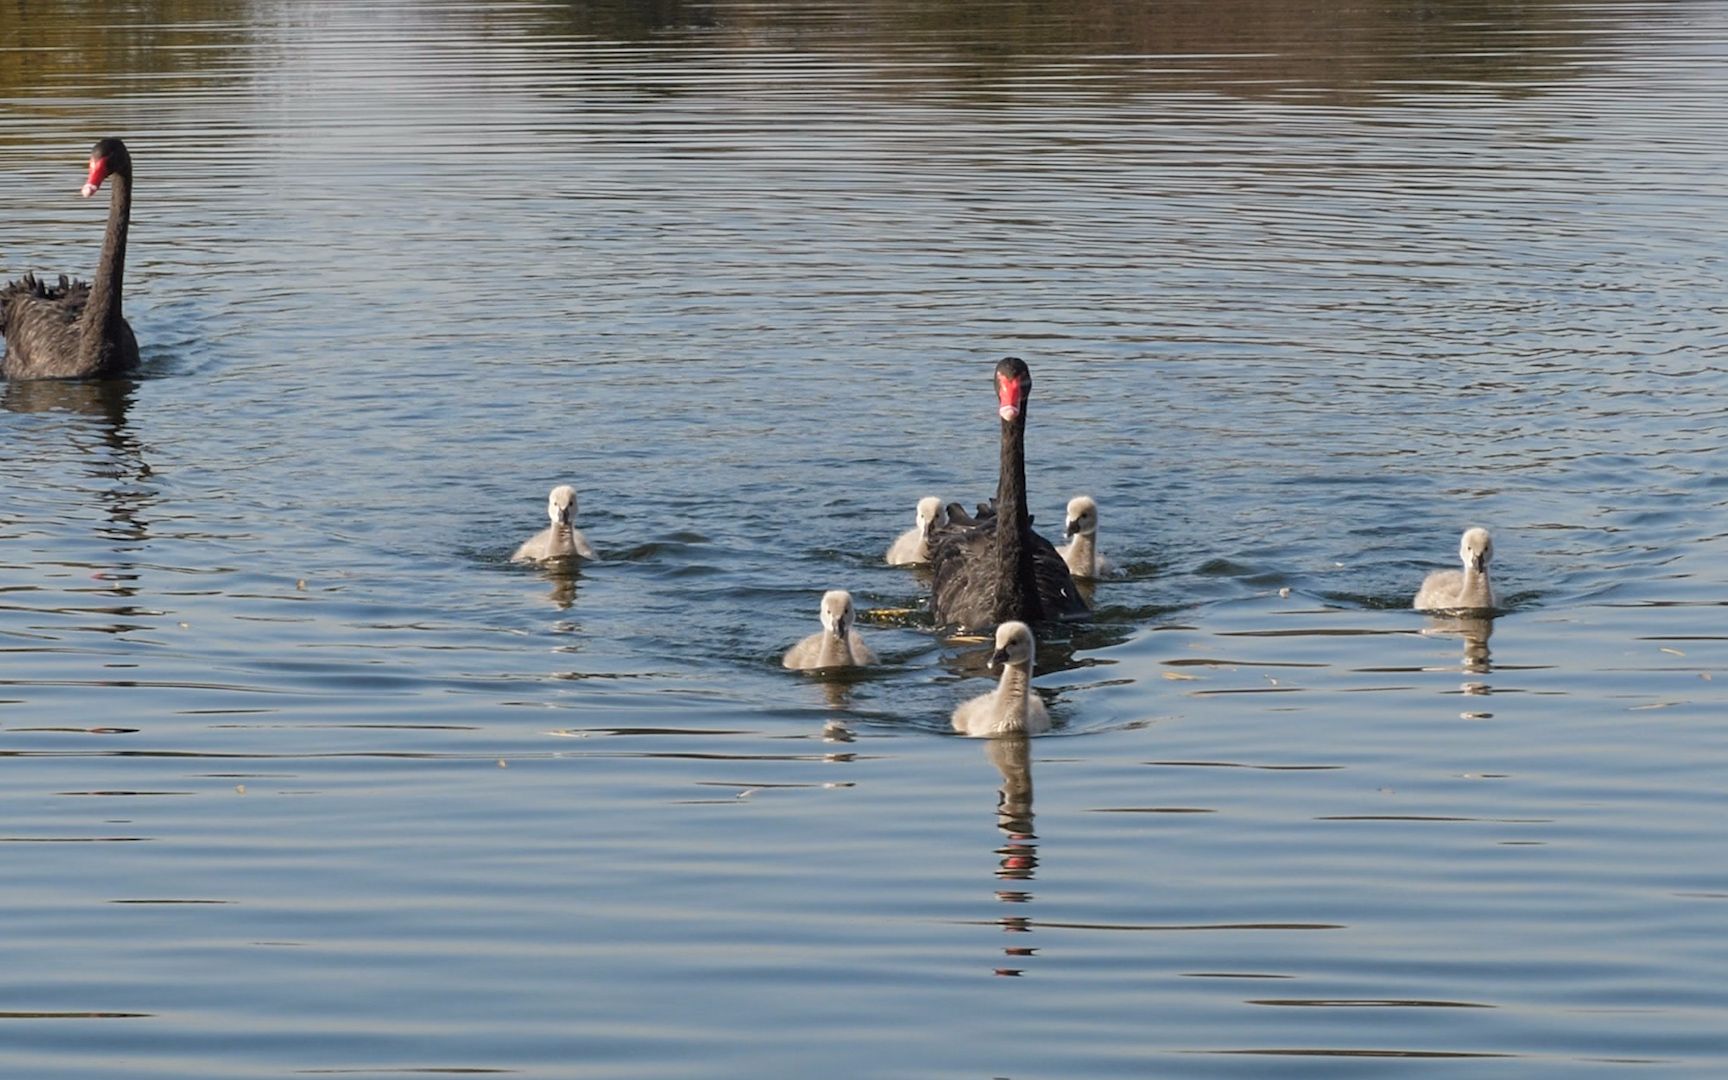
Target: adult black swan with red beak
[75, 330]
[995, 569]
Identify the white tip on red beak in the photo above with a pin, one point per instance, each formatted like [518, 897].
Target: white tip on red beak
[1008, 412]
[89, 190]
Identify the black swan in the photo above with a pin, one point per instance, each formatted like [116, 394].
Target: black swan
[993, 568]
[75, 330]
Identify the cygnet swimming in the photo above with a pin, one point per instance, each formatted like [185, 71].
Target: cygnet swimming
[561, 539]
[1013, 708]
[837, 644]
[1467, 589]
[1081, 552]
[913, 546]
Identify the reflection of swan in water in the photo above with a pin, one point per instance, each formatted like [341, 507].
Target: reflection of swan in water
[113, 451]
[1013, 708]
[1461, 590]
[1017, 858]
[91, 419]
[108, 398]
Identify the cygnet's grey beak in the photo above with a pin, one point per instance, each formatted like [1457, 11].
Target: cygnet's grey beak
[1479, 561]
[998, 658]
[1072, 527]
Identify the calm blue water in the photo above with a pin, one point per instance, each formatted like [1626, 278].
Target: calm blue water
[303, 777]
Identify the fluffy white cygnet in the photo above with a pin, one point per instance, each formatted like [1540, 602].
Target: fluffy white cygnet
[1013, 708]
[913, 545]
[561, 539]
[837, 644]
[1467, 589]
[1081, 553]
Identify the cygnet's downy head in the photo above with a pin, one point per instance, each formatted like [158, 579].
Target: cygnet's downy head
[1014, 645]
[561, 505]
[931, 515]
[1013, 387]
[1475, 549]
[1082, 516]
[837, 612]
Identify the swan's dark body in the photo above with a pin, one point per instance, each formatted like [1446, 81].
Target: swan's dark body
[76, 330]
[992, 568]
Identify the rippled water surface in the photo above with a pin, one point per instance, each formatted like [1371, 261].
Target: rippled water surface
[304, 777]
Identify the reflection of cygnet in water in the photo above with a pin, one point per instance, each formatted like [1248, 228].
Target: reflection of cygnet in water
[1475, 630]
[913, 545]
[563, 592]
[837, 644]
[561, 539]
[1081, 553]
[1012, 756]
[1461, 590]
[1013, 707]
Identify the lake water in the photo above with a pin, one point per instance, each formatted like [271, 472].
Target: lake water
[302, 777]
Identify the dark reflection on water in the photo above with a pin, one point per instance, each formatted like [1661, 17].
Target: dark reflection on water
[107, 400]
[1017, 858]
[97, 45]
[1473, 631]
[626, 20]
[1252, 48]
[109, 448]
[976, 50]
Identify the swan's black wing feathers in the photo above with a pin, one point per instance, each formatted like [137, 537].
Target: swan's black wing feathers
[962, 558]
[957, 515]
[39, 320]
[962, 570]
[1056, 588]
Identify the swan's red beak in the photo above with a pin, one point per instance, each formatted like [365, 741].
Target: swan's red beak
[98, 173]
[1010, 396]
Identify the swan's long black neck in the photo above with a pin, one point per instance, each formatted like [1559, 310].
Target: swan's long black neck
[102, 319]
[1016, 591]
